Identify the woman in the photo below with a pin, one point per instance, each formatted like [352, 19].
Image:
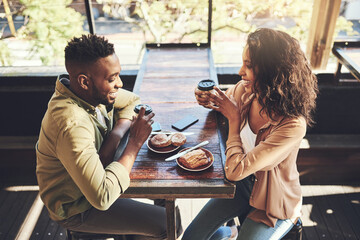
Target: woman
[267, 112]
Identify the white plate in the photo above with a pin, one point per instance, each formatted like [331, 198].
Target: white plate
[201, 168]
[167, 149]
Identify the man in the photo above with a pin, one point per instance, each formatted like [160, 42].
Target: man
[87, 117]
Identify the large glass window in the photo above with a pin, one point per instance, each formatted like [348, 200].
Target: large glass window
[347, 28]
[349, 24]
[34, 32]
[233, 20]
[130, 24]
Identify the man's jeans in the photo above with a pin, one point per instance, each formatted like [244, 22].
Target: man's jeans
[128, 217]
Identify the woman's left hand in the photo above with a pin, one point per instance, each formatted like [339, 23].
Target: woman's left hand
[224, 104]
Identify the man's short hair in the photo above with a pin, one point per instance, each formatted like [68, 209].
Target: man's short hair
[88, 49]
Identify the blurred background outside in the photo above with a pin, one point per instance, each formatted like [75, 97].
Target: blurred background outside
[43, 27]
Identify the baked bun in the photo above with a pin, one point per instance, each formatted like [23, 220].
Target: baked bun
[194, 159]
[178, 139]
[160, 140]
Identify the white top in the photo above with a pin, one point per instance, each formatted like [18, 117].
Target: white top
[100, 117]
[248, 138]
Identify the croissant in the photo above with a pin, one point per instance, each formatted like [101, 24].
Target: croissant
[194, 159]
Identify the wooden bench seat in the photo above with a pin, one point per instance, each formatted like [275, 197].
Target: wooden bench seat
[18, 142]
[18, 158]
[329, 159]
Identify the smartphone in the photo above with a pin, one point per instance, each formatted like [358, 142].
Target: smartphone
[156, 127]
[185, 122]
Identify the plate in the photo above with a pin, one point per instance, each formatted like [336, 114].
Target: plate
[201, 168]
[167, 149]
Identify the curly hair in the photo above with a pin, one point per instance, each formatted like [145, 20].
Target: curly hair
[87, 49]
[284, 82]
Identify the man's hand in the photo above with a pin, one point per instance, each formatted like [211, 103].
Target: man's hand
[140, 130]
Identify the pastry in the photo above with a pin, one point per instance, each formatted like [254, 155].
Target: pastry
[160, 140]
[178, 139]
[194, 159]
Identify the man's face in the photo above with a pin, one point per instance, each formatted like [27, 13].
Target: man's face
[105, 80]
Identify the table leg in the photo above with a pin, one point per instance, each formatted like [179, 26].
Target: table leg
[170, 218]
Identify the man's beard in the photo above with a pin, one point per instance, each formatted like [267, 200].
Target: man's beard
[100, 99]
[106, 103]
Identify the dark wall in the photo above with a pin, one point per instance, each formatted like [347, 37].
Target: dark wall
[24, 102]
[338, 110]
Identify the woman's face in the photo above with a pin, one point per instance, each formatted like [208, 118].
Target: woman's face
[247, 70]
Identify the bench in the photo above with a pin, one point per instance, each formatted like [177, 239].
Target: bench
[329, 159]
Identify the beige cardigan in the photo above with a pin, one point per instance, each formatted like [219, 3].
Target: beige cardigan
[276, 193]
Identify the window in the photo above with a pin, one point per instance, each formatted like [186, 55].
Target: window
[42, 30]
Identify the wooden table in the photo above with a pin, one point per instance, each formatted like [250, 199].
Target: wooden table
[166, 82]
[348, 54]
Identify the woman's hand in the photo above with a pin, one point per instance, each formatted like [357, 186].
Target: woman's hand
[140, 128]
[224, 104]
[202, 97]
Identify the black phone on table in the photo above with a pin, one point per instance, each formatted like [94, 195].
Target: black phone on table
[185, 122]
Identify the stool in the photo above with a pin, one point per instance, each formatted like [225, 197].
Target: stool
[73, 235]
[295, 233]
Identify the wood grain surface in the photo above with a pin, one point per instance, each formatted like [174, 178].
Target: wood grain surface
[166, 81]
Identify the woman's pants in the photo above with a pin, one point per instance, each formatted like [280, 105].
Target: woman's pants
[208, 223]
